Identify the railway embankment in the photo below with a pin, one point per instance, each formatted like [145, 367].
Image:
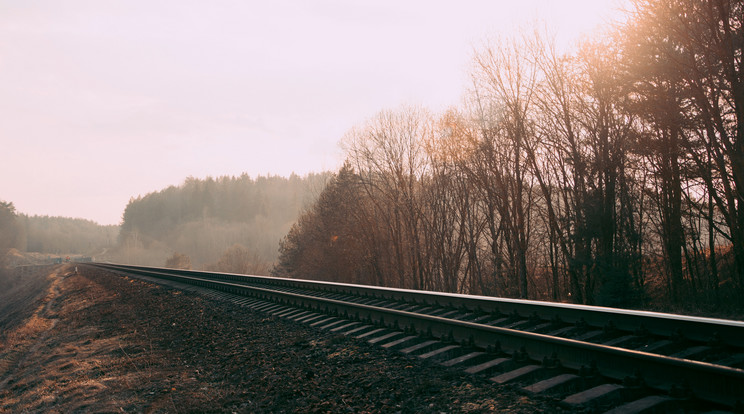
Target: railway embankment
[94, 341]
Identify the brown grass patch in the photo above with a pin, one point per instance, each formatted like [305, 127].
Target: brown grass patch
[27, 332]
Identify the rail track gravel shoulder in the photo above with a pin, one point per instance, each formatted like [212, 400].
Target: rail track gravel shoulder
[598, 358]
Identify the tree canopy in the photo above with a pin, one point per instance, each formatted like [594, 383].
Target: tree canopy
[611, 174]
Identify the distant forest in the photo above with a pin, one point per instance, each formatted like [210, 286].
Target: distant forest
[231, 224]
[53, 235]
[228, 223]
[612, 174]
[62, 235]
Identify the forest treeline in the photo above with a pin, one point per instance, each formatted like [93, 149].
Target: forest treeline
[229, 224]
[226, 223]
[53, 235]
[63, 235]
[612, 174]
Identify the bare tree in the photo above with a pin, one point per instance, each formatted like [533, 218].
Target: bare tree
[504, 82]
[388, 154]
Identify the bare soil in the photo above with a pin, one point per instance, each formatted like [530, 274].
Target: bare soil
[97, 342]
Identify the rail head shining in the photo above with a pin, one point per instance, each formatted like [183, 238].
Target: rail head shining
[710, 382]
[729, 332]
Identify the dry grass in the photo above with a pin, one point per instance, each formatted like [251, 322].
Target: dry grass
[27, 332]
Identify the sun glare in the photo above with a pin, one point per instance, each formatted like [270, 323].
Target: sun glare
[572, 20]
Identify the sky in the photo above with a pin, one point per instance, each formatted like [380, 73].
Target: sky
[104, 100]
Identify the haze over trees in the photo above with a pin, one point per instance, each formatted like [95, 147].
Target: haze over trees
[230, 224]
[52, 235]
[612, 174]
[62, 235]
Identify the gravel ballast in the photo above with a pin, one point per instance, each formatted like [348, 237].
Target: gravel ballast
[118, 344]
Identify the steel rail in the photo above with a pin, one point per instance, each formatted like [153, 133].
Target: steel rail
[710, 382]
[699, 329]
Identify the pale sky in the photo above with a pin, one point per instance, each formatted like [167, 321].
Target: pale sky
[105, 100]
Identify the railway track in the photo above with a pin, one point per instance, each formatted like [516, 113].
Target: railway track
[592, 358]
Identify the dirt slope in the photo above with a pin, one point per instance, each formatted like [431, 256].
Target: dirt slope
[21, 293]
[96, 342]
